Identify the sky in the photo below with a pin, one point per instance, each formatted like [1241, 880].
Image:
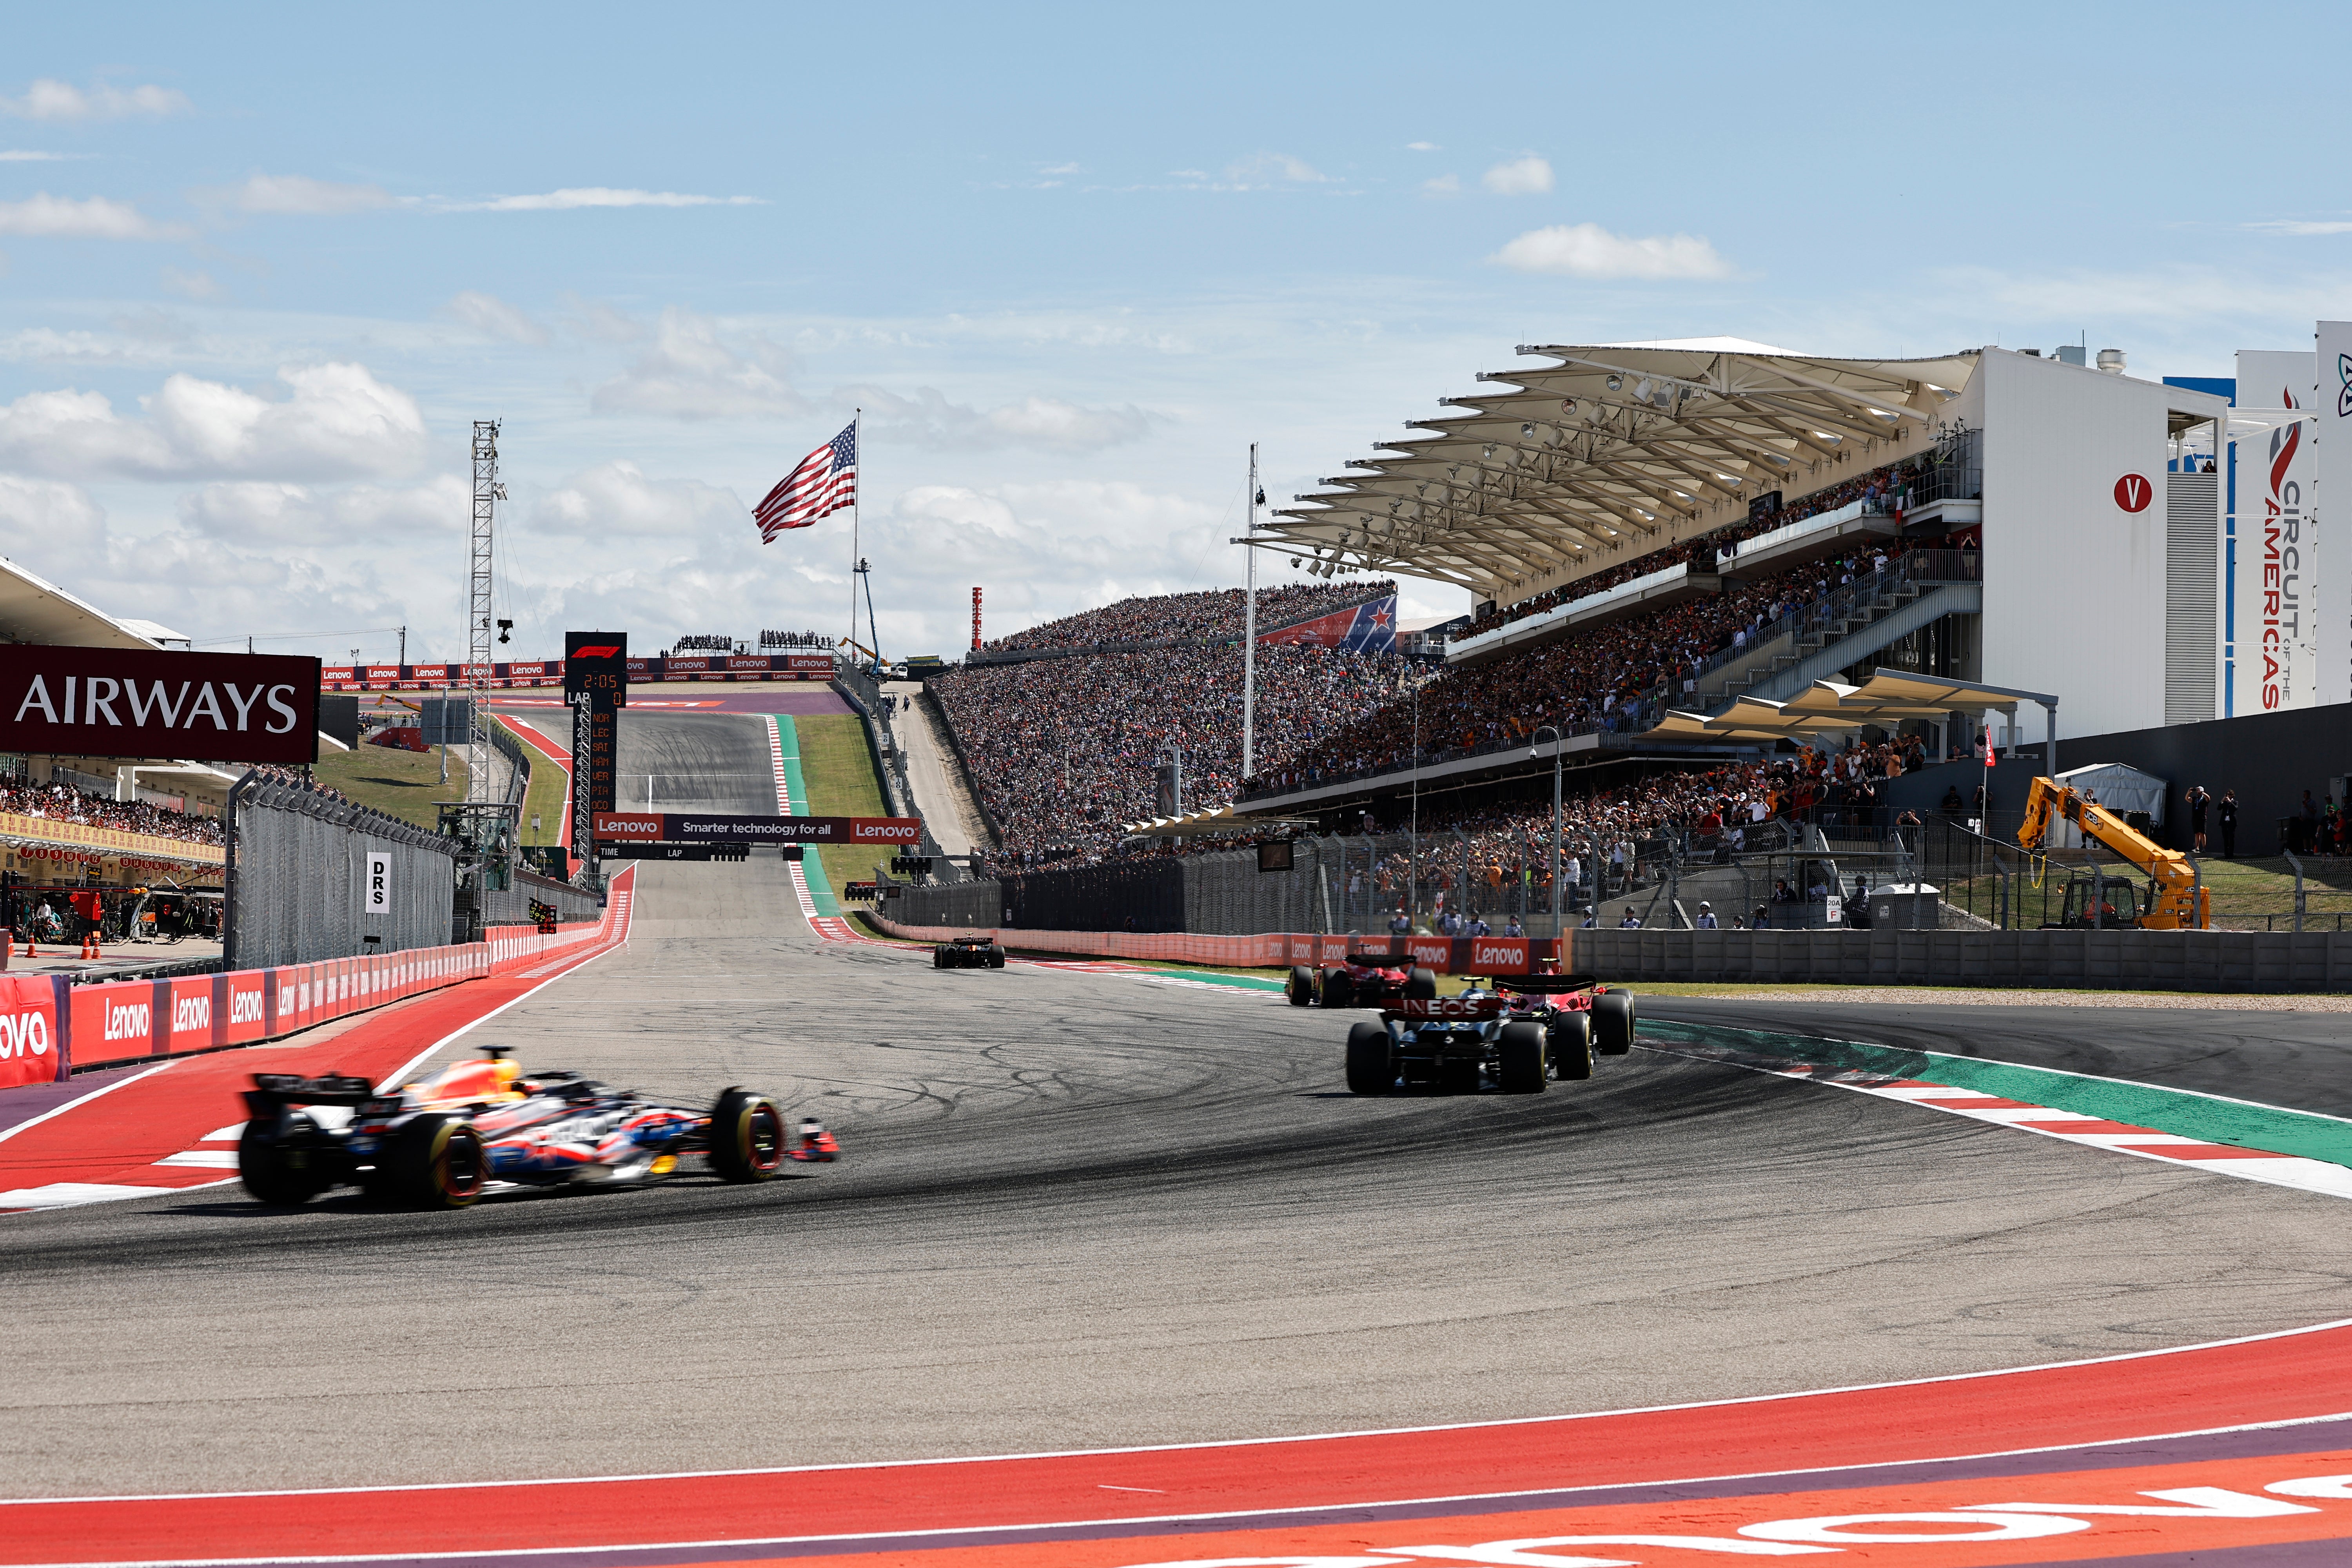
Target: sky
[260, 269]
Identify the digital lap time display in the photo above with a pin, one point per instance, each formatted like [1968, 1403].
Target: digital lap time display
[596, 664]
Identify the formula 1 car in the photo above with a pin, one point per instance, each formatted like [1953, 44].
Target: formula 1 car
[1519, 1032]
[1366, 980]
[445, 1142]
[968, 952]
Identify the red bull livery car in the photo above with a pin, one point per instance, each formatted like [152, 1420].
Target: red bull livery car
[968, 952]
[1516, 1034]
[1366, 980]
[485, 1123]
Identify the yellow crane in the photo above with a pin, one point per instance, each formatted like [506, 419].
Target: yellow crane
[2178, 897]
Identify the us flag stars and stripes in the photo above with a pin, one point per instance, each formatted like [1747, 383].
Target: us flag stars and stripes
[825, 481]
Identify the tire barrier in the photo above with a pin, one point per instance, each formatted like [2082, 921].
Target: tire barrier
[51, 1028]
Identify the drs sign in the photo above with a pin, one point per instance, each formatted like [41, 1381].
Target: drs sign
[375, 896]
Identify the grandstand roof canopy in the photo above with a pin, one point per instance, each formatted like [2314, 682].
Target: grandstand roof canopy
[34, 611]
[1552, 463]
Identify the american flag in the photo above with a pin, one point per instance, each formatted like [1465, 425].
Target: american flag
[825, 481]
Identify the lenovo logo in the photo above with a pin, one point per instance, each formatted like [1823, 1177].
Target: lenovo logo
[190, 1013]
[245, 1006]
[24, 1035]
[129, 1020]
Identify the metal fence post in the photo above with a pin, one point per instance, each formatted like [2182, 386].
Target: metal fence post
[2298, 886]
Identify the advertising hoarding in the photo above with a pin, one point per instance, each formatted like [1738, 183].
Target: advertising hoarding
[2332, 472]
[146, 702]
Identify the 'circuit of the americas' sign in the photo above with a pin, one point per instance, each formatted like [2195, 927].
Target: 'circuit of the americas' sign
[147, 702]
[693, 827]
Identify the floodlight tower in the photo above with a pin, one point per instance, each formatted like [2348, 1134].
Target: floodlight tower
[487, 493]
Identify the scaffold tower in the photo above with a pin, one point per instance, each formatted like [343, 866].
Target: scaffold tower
[487, 493]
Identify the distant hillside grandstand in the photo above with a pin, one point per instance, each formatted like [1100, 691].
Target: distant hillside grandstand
[1062, 750]
[1215, 614]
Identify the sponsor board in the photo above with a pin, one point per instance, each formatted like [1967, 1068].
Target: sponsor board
[144, 702]
[1498, 955]
[1431, 953]
[691, 827]
[2332, 472]
[32, 1046]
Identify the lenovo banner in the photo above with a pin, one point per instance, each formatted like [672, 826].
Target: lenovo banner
[144, 702]
[694, 828]
[31, 1047]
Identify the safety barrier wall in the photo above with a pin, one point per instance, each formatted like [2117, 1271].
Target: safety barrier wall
[2225, 961]
[2222, 961]
[50, 1028]
[1275, 950]
[298, 862]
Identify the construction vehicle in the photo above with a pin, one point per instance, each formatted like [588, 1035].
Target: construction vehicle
[2175, 898]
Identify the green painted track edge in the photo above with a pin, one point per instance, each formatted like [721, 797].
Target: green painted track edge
[788, 737]
[2189, 1114]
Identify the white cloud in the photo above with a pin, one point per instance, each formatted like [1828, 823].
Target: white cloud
[599, 322]
[2295, 226]
[1587, 250]
[1261, 169]
[1527, 177]
[1443, 186]
[285, 195]
[494, 318]
[2174, 295]
[51, 99]
[337, 421]
[1188, 174]
[27, 155]
[191, 285]
[1421, 146]
[928, 418]
[1061, 169]
[261, 512]
[690, 374]
[616, 499]
[44, 217]
[578, 196]
[34, 509]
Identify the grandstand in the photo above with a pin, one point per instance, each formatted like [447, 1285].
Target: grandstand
[1062, 726]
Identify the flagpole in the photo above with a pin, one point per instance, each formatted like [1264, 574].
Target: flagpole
[857, 502]
[1249, 634]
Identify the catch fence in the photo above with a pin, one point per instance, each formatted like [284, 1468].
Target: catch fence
[298, 867]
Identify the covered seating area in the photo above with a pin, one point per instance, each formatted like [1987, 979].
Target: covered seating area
[1832, 708]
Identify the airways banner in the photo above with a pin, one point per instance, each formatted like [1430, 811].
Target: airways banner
[144, 702]
[1365, 628]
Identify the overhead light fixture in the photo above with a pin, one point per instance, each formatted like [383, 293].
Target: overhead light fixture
[1486, 451]
[1614, 383]
[1568, 406]
[1641, 390]
[1526, 432]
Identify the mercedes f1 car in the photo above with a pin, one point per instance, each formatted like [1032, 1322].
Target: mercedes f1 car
[968, 952]
[1516, 1033]
[445, 1142]
[1366, 980]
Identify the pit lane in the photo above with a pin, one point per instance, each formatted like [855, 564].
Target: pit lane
[1079, 1209]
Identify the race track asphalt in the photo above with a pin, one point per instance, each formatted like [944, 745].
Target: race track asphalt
[1083, 1209]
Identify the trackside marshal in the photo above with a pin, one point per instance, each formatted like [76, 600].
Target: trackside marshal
[149, 702]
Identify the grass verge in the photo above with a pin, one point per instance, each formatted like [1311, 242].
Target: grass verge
[545, 799]
[839, 771]
[406, 784]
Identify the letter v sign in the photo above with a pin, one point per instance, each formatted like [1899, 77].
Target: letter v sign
[2133, 492]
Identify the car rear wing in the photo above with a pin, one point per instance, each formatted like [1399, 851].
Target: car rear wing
[1542, 984]
[274, 1090]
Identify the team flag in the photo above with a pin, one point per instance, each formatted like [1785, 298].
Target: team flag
[825, 481]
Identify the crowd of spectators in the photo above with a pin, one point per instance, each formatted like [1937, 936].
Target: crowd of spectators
[1598, 678]
[1216, 614]
[1890, 483]
[791, 639]
[704, 643]
[1063, 751]
[63, 802]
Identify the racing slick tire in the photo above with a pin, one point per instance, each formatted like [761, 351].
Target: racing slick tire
[996, 955]
[275, 1171]
[1371, 1066]
[939, 958]
[1300, 990]
[1420, 985]
[1571, 1047]
[1612, 1023]
[1339, 991]
[1519, 1059]
[747, 1136]
[437, 1162]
